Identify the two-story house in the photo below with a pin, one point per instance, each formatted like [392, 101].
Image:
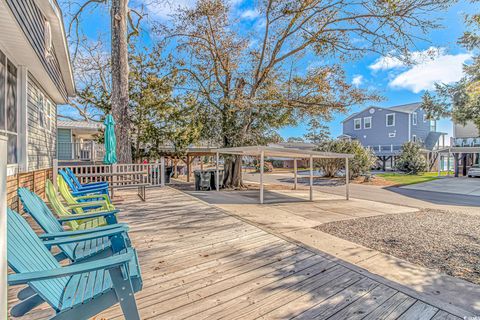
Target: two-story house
[35, 76]
[465, 146]
[385, 130]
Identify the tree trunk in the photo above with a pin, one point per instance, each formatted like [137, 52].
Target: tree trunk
[233, 173]
[120, 96]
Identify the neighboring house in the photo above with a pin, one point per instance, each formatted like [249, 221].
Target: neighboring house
[385, 130]
[35, 76]
[465, 146]
[77, 141]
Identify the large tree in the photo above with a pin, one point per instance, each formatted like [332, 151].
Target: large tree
[460, 100]
[122, 27]
[254, 82]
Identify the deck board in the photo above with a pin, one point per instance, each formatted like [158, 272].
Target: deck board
[201, 263]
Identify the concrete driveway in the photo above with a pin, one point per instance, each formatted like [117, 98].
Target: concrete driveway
[465, 186]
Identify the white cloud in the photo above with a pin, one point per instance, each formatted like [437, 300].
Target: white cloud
[416, 57]
[357, 80]
[250, 14]
[423, 76]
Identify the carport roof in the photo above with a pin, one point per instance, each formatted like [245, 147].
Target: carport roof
[282, 152]
[460, 150]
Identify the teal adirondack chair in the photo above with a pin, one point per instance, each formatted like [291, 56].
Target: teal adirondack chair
[77, 291]
[102, 240]
[79, 185]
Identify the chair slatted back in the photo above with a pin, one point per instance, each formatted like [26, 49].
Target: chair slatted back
[57, 205]
[68, 180]
[26, 253]
[73, 177]
[38, 209]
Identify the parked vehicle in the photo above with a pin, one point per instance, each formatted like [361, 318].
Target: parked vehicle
[474, 171]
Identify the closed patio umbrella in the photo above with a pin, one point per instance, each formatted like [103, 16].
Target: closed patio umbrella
[110, 141]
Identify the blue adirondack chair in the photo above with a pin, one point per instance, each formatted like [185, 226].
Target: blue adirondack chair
[97, 241]
[85, 185]
[77, 291]
[82, 191]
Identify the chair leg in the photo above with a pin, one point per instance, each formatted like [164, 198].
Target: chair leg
[126, 297]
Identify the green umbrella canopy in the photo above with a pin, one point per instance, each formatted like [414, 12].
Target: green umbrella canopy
[110, 141]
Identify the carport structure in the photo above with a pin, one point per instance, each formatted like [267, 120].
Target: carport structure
[295, 154]
[459, 152]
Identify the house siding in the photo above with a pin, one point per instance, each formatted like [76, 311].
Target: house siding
[42, 127]
[32, 22]
[379, 133]
[422, 128]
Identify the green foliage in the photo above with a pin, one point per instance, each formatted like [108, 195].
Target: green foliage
[362, 162]
[411, 160]
[461, 100]
[317, 132]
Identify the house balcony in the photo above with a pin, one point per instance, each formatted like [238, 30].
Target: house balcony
[465, 142]
[88, 151]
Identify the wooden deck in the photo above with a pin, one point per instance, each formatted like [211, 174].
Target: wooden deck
[200, 263]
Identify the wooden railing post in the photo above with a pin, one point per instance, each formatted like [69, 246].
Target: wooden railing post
[162, 171]
[55, 172]
[3, 228]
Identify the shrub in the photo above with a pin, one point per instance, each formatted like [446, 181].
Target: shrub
[267, 166]
[411, 160]
[361, 163]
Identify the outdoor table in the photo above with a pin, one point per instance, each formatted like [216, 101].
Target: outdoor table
[116, 181]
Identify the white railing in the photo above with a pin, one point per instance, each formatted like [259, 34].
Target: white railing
[80, 151]
[465, 142]
[119, 174]
[390, 148]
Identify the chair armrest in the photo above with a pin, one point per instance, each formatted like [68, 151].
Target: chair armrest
[100, 203]
[91, 184]
[47, 236]
[74, 217]
[84, 192]
[96, 235]
[73, 269]
[94, 196]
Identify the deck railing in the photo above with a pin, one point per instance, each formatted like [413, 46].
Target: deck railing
[465, 142]
[80, 151]
[121, 174]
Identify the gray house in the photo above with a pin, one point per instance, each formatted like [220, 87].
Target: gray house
[385, 130]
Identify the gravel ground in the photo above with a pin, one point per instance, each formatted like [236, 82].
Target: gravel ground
[445, 241]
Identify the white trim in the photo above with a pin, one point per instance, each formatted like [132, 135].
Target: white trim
[414, 118]
[409, 127]
[354, 125]
[364, 123]
[22, 137]
[386, 119]
[3, 228]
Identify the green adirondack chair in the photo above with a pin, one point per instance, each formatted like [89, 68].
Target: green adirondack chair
[114, 239]
[77, 291]
[66, 211]
[73, 200]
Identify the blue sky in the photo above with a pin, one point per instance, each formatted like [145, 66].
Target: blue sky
[397, 83]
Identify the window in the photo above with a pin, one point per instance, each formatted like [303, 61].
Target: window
[8, 106]
[414, 118]
[357, 124]
[392, 134]
[367, 122]
[390, 119]
[425, 117]
[414, 138]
